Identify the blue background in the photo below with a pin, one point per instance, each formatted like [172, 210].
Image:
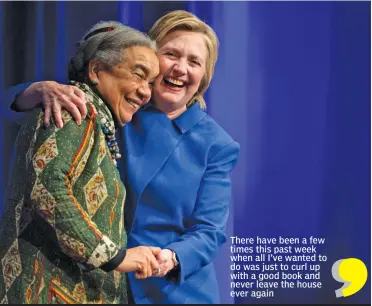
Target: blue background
[292, 86]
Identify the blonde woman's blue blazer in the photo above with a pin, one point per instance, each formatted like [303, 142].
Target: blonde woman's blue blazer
[177, 175]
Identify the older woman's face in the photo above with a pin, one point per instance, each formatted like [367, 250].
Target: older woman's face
[182, 57]
[127, 86]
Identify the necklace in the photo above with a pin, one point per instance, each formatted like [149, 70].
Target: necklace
[107, 122]
[109, 132]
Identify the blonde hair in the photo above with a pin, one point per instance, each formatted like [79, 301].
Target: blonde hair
[186, 21]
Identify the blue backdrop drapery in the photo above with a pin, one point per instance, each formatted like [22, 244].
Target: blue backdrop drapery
[292, 86]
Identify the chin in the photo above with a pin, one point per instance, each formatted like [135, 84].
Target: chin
[126, 118]
[171, 99]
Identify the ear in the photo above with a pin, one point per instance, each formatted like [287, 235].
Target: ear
[93, 69]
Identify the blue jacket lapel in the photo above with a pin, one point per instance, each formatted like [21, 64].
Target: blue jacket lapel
[149, 140]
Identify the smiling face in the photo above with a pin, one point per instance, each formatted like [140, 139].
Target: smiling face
[182, 57]
[127, 86]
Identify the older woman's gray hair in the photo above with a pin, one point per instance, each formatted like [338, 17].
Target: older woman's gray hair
[105, 42]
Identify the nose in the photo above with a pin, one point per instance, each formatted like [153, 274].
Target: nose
[144, 92]
[180, 67]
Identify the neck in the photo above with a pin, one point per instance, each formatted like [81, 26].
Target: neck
[171, 112]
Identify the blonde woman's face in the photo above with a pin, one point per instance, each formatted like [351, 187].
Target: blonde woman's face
[182, 57]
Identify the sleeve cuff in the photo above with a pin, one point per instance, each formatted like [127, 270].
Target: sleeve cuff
[177, 274]
[13, 93]
[13, 106]
[114, 262]
[174, 274]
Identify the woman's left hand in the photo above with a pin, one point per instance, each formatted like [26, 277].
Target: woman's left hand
[165, 261]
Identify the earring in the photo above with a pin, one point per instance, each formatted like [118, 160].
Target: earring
[94, 82]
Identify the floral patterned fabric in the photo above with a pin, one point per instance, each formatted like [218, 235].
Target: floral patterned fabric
[63, 216]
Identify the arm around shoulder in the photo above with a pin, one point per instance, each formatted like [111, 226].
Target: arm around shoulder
[52, 96]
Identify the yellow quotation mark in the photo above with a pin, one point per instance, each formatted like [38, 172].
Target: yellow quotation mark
[352, 272]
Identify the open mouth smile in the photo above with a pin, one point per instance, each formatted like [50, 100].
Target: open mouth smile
[134, 103]
[174, 83]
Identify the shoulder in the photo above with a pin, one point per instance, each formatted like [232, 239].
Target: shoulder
[91, 114]
[73, 135]
[215, 137]
[210, 127]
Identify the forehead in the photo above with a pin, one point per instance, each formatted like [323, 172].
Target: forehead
[192, 43]
[139, 56]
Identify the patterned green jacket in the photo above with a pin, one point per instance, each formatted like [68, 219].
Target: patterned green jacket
[63, 216]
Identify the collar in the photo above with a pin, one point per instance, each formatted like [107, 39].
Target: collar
[186, 120]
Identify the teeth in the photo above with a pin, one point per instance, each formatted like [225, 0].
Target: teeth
[175, 82]
[134, 104]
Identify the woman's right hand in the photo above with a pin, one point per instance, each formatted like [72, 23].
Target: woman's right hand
[53, 97]
[141, 260]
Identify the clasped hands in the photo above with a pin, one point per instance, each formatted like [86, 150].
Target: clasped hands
[147, 261]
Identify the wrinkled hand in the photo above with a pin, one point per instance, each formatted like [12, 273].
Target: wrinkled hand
[54, 96]
[166, 263]
[141, 260]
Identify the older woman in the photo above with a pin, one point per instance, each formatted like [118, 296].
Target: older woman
[177, 164]
[62, 237]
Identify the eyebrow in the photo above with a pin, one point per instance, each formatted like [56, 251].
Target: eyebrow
[143, 68]
[192, 56]
[195, 57]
